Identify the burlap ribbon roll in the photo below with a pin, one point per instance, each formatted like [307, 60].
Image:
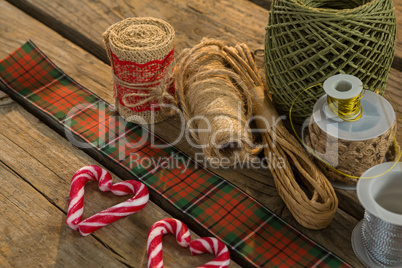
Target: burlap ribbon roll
[351, 157]
[308, 41]
[141, 54]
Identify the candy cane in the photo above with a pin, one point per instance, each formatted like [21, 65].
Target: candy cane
[214, 246]
[154, 241]
[112, 214]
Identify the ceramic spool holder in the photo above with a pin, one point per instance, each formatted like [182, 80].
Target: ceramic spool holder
[382, 197]
[350, 146]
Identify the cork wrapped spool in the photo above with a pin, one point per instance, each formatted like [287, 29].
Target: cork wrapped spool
[141, 52]
[308, 41]
[352, 157]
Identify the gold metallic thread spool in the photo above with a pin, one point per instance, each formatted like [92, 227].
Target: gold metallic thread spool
[348, 109]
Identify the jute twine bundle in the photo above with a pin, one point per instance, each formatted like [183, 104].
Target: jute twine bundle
[216, 104]
[308, 41]
[350, 157]
[314, 210]
[141, 53]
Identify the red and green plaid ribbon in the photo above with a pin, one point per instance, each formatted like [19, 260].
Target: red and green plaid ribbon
[248, 228]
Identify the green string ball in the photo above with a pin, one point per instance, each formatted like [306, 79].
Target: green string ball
[308, 41]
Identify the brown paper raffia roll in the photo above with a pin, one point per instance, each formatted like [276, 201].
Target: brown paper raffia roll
[141, 54]
[313, 210]
[350, 157]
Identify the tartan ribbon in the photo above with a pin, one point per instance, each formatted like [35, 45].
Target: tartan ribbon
[249, 229]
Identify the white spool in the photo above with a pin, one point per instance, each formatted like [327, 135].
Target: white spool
[381, 197]
[378, 114]
[343, 86]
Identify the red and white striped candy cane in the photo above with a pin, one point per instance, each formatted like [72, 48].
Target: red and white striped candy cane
[112, 214]
[214, 246]
[154, 241]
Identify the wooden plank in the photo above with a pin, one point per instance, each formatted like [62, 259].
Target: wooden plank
[255, 182]
[238, 21]
[33, 233]
[96, 76]
[192, 20]
[195, 20]
[47, 162]
[68, 56]
[227, 19]
[339, 230]
[4, 99]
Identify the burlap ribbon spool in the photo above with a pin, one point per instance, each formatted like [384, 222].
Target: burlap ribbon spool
[215, 103]
[308, 41]
[141, 53]
[314, 210]
[351, 157]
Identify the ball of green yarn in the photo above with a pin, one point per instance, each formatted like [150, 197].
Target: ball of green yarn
[308, 41]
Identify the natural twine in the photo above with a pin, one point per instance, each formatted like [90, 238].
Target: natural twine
[314, 210]
[308, 41]
[216, 104]
[141, 41]
[350, 157]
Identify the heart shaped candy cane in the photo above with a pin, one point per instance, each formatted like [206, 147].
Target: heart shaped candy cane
[214, 246]
[112, 214]
[154, 240]
[183, 237]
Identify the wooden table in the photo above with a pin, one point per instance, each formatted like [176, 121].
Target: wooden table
[36, 163]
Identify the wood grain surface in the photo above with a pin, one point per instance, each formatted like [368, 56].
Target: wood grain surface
[82, 23]
[204, 18]
[36, 166]
[234, 21]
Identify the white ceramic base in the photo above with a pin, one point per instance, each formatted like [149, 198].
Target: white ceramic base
[358, 248]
